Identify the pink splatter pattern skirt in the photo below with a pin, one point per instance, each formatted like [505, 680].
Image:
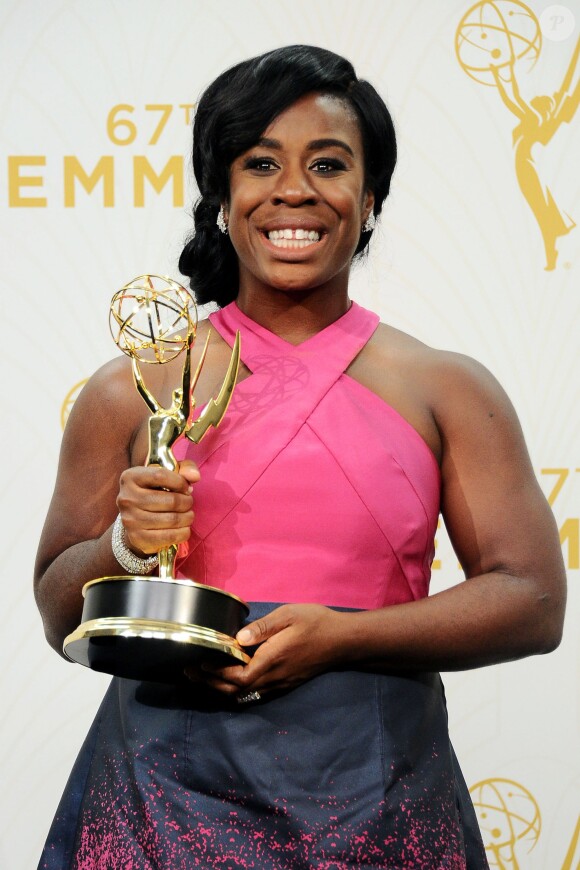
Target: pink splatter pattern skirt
[351, 769]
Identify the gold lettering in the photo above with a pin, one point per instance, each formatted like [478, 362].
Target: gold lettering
[16, 181]
[74, 171]
[436, 563]
[173, 169]
[188, 109]
[570, 532]
[116, 124]
[562, 474]
[165, 110]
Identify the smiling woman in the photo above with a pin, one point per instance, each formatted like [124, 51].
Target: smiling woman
[243, 130]
[317, 501]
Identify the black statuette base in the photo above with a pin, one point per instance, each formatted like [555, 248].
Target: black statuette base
[150, 629]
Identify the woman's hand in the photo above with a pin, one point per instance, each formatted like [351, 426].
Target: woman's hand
[156, 506]
[294, 643]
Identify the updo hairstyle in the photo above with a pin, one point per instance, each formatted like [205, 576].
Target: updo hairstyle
[233, 114]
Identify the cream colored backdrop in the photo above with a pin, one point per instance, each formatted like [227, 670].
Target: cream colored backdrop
[458, 261]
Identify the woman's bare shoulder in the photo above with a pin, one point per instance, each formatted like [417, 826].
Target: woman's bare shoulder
[438, 370]
[109, 393]
[442, 394]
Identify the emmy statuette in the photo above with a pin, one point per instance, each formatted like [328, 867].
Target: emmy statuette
[144, 627]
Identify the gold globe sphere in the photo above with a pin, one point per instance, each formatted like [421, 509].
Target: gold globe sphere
[151, 317]
[496, 33]
[509, 819]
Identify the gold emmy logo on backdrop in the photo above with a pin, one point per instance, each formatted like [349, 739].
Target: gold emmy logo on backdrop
[494, 42]
[572, 859]
[144, 627]
[509, 819]
[510, 823]
[69, 401]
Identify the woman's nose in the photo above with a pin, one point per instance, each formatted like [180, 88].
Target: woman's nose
[294, 187]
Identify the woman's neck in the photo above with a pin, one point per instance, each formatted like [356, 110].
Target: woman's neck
[295, 316]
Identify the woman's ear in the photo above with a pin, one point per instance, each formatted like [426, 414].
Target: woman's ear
[368, 204]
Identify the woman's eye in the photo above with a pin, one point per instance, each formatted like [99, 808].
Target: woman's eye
[261, 164]
[325, 165]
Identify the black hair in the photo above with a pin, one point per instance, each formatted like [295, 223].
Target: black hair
[232, 114]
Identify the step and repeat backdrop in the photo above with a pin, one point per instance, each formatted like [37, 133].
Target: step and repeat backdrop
[477, 251]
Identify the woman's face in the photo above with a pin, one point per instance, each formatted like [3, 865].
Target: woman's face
[298, 198]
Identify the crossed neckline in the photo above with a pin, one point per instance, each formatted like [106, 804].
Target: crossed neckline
[355, 326]
[274, 338]
[334, 347]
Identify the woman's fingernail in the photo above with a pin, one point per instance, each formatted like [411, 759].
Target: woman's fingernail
[244, 636]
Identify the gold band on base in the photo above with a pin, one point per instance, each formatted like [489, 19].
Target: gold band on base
[77, 645]
[144, 628]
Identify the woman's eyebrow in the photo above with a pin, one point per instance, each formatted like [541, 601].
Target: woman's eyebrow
[315, 145]
[264, 142]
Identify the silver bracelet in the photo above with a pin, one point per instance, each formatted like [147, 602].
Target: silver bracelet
[126, 557]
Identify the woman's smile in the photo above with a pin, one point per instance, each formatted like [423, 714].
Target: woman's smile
[293, 238]
[293, 243]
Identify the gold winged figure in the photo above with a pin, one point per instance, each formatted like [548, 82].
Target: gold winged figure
[538, 122]
[167, 424]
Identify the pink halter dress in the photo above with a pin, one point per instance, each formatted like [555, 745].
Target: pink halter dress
[313, 490]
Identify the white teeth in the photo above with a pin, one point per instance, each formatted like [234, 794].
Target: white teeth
[292, 243]
[289, 238]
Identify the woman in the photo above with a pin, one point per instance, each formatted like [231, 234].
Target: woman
[317, 500]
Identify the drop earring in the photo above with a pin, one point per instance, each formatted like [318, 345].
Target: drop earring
[369, 224]
[221, 221]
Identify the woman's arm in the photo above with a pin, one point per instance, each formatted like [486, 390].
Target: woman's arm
[95, 481]
[512, 602]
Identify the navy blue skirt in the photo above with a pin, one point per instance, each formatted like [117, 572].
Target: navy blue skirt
[351, 769]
